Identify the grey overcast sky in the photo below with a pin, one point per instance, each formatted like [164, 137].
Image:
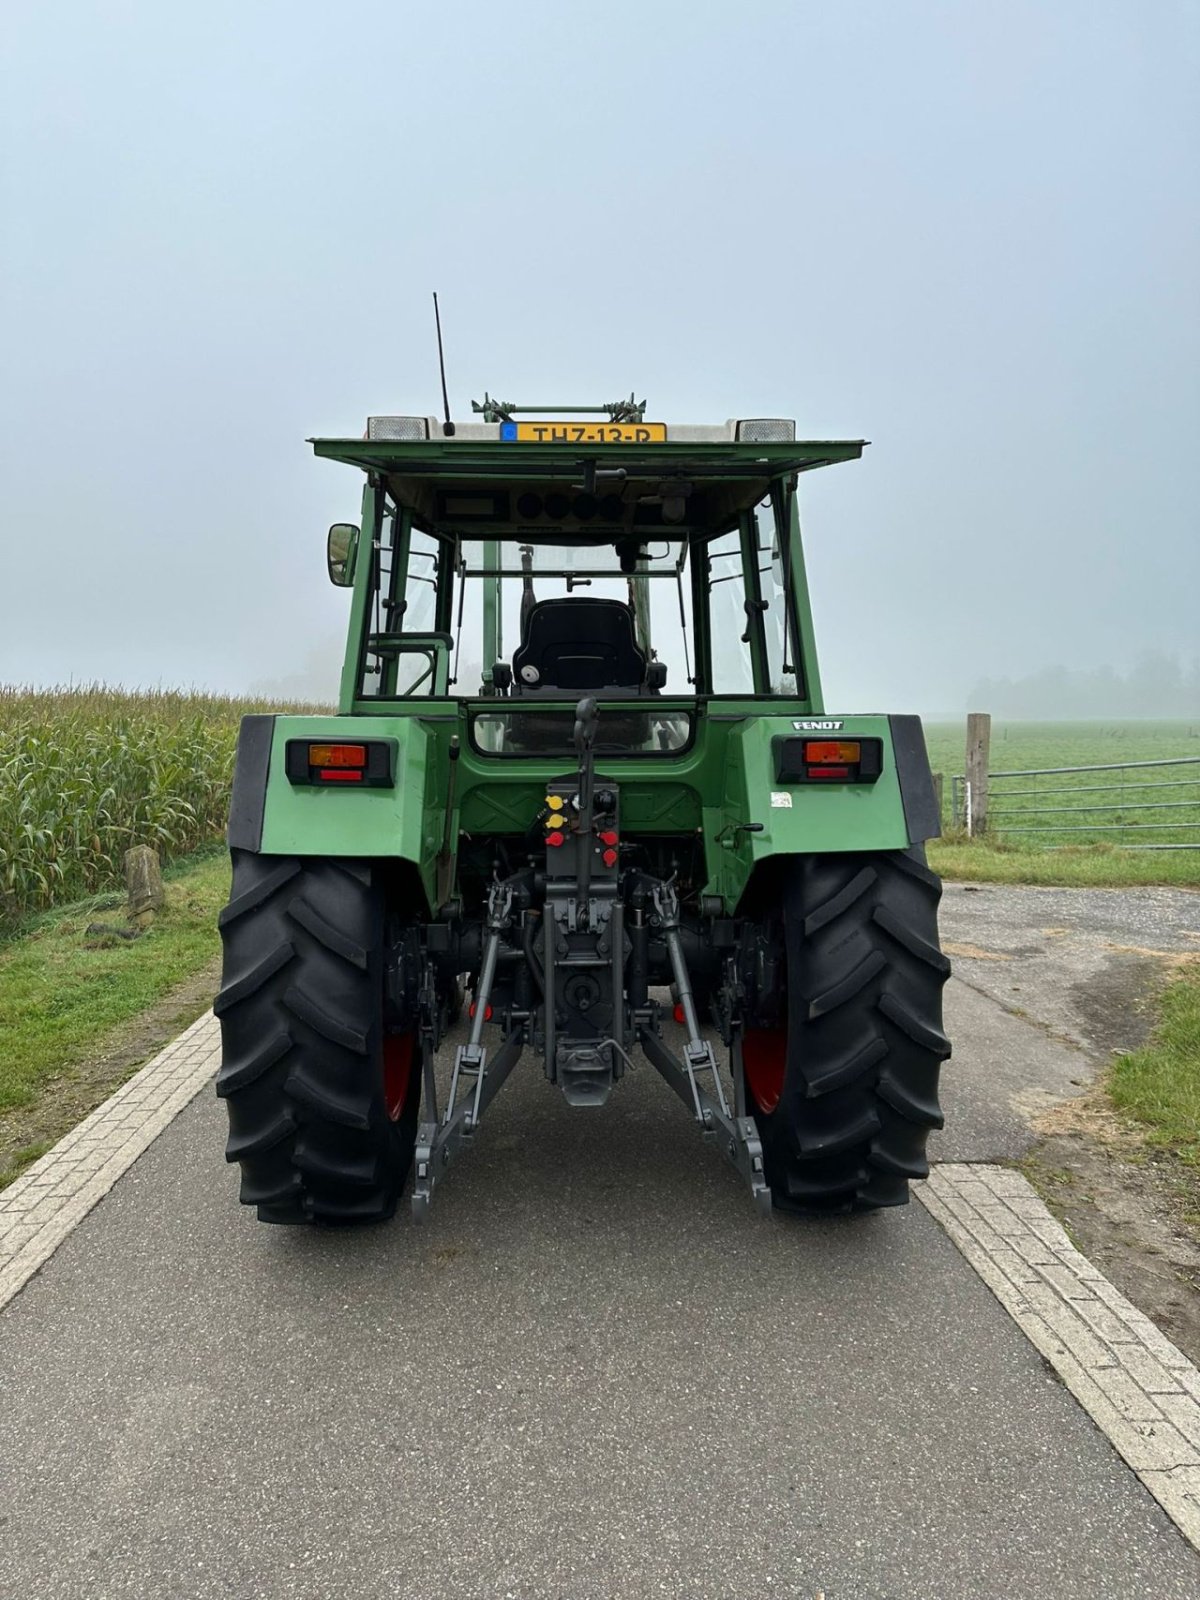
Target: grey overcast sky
[969, 232]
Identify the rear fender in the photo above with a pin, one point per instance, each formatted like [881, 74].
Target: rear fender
[403, 822]
[897, 810]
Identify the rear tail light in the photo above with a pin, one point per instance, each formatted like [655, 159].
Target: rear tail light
[369, 763]
[827, 760]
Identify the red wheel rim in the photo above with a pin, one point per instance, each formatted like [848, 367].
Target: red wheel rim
[397, 1071]
[764, 1059]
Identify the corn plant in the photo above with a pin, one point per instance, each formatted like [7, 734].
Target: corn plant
[87, 772]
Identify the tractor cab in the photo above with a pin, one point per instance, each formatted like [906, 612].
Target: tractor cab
[529, 562]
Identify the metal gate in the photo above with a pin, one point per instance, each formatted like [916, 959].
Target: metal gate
[1131, 808]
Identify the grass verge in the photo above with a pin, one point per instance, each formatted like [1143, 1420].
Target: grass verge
[80, 1009]
[1076, 866]
[1159, 1085]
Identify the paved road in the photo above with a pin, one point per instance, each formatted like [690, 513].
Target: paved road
[596, 1373]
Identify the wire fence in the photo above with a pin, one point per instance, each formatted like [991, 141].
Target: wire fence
[1130, 808]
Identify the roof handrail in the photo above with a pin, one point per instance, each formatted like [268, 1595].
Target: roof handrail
[631, 410]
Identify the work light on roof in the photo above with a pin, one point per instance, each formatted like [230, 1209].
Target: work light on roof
[766, 430]
[399, 429]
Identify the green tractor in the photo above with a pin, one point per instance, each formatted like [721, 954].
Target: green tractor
[581, 771]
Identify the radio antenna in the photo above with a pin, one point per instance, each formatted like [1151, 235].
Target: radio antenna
[447, 426]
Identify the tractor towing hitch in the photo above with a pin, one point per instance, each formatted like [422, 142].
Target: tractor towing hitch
[563, 919]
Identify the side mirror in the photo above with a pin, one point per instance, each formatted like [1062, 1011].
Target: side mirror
[340, 550]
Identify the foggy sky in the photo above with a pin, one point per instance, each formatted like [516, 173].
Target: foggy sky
[968, 232]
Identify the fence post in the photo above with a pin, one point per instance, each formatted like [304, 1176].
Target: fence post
[979, 739]
[939, 789]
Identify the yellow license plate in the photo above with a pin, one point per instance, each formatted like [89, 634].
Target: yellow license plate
[584, 432]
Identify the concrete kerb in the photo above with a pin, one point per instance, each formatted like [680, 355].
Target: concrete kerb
[1142, 1392]
[53, 1196]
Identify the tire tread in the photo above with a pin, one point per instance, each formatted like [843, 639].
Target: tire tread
[302, 1037]
[865, 1041]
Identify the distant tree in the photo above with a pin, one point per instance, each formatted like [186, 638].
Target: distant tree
[1158, 685]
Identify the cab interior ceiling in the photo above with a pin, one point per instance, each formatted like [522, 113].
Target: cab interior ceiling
[492, 508]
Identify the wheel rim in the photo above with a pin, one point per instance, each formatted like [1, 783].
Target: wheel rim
[397, 1071]
[764, 1060]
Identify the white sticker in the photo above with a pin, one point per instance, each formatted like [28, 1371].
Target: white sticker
[823, 725]
[778, 800]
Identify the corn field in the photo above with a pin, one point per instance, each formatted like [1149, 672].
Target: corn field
[87, 772]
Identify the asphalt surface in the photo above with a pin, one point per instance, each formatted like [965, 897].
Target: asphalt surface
[594, 1373]
[1081, 962]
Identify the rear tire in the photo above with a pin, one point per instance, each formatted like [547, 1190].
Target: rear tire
[843, 1081]
[323, 1105]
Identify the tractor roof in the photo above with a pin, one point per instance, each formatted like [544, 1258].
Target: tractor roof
[723, 469]
[418, 444]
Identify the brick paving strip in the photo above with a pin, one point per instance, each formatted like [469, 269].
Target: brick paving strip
[52, 1196]
[1141, 1391]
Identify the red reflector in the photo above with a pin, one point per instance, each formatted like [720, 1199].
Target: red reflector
[679, 1014]
[824, 751]
[339, 775]
[835, 774]
[554, 838]
[487, 1012]
[337, 755]
[610, 858]
[608, 837]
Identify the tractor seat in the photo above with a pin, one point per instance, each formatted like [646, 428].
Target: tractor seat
[574, 646]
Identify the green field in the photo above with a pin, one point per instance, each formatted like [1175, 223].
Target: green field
[87, 772]
[1017, 746]
[1100, 818]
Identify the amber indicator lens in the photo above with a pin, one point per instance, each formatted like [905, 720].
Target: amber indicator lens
[319, 762]
[337, 755]
[832, 752]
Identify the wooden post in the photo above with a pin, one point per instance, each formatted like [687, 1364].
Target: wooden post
[979, 740]
[143, 879]
[939, 789]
